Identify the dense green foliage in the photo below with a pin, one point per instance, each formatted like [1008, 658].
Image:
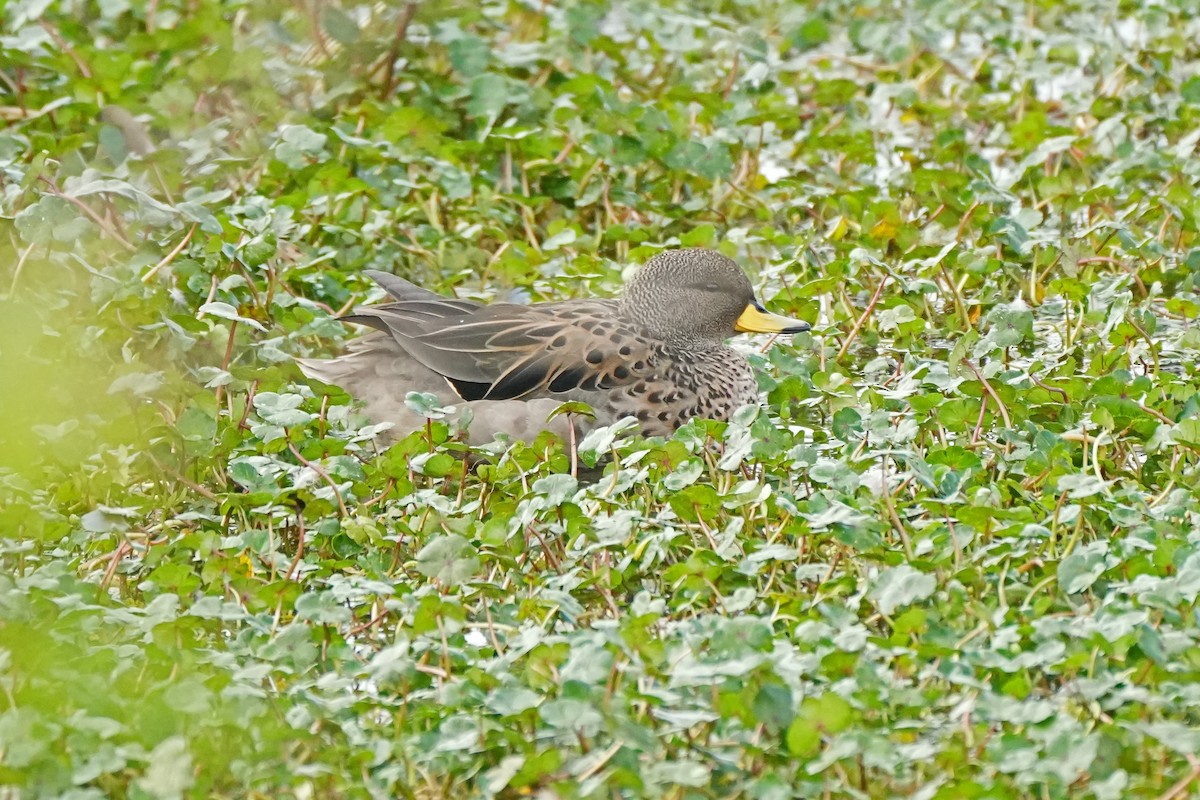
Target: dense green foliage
[956, 555]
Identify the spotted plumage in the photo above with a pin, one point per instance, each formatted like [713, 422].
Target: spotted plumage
[657, 353]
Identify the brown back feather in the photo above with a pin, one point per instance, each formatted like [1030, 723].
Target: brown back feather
[507, 352]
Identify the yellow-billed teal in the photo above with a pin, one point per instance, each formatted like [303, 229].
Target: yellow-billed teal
[657, 353]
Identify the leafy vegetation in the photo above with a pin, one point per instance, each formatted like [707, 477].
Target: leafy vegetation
[956, 554]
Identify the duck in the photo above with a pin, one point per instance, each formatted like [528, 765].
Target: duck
[656, 353]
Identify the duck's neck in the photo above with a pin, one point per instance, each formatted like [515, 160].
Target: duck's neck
[696, 344]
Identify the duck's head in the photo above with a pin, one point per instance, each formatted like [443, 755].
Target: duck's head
[698, 295]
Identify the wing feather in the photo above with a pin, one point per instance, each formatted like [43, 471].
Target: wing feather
[408, 292]
[506, 352]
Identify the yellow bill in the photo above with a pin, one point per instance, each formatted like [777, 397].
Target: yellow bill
[756, 319]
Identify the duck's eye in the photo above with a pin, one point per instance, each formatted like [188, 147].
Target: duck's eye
[706, 287]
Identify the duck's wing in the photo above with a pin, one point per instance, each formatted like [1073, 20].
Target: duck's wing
[509, 352]
[408, 292]
[371, 363]
[380, 373]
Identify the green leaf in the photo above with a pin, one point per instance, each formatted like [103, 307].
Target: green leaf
[298, 145]
[427, 405]
[51, 219]
[510, 701]
[489, 95]
[322, 608]
[170, 771]
[679, 773]
[803, 737]
[339, 25]
[1187, 431]
[561, 239]
[814, 31]
[773, 707]
[558, 489]
[226, 311]
[450, 559]
[282, 409]
[685, 475]
[1078, 571]
[139, 384]
[901, 586]
[1189, 90]
[105, 519]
